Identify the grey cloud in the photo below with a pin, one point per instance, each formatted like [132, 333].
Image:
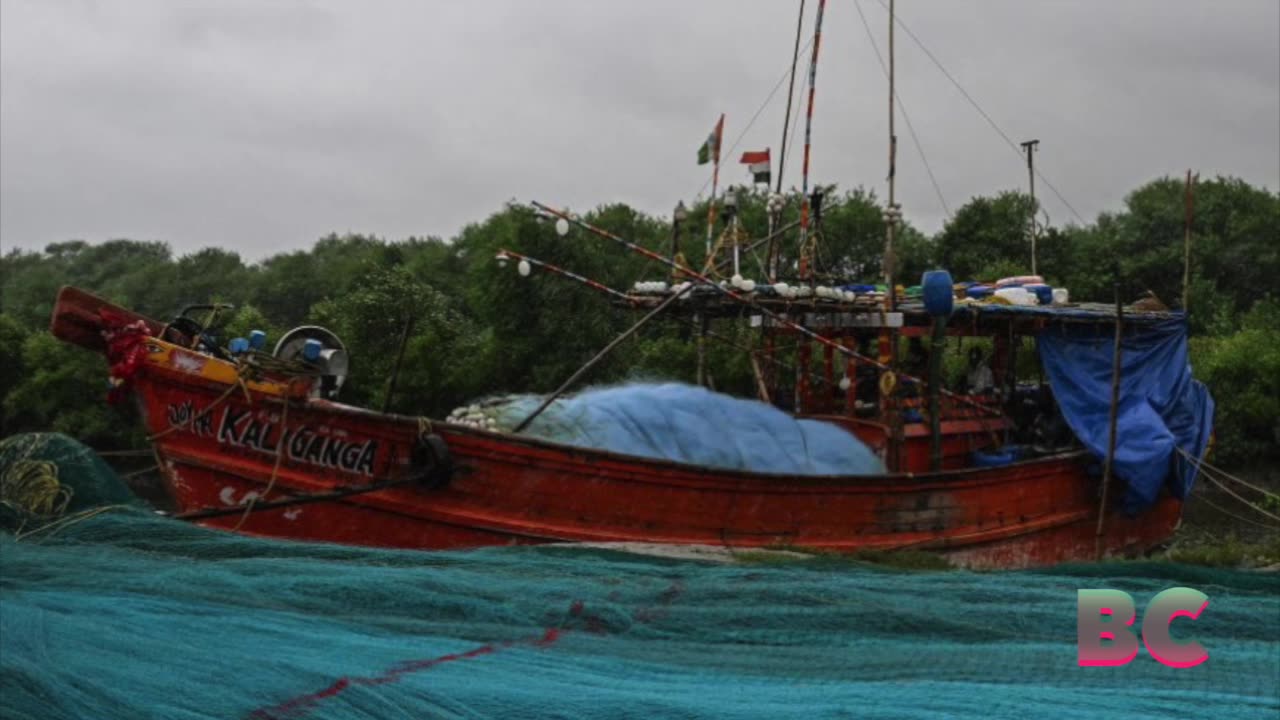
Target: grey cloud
[260, 126]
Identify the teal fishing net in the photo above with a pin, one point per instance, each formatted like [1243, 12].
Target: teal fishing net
[126, 614]
[683, 423]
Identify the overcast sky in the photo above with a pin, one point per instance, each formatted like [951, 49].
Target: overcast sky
[260, 125]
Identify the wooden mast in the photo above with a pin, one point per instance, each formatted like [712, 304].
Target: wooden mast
[889, 337]
[808, 139]
[775, 211]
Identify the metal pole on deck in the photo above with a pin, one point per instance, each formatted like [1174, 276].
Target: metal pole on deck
[1030, 147]
[937, 345]
[1107, 470]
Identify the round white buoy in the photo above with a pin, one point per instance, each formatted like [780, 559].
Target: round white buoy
[524, 268]
[749, 285]
[562, 227]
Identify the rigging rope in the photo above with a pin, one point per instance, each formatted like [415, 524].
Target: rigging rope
[1221, 486]
[1012, 145]
[911, 130]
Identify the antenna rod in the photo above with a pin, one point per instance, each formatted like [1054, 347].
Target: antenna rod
[1030, 147]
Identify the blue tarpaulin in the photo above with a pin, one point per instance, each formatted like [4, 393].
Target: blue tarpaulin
[1161, 406]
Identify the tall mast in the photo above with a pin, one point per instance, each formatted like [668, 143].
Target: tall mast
[891, 213]
[776, 203]
[889, 336]
[791, 91]
[808, 138]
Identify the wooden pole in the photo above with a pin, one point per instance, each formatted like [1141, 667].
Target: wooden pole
[1108, 469]
[780, 319]
[702, 322]
[891, 222]
[938, 344]
[598, 357]
[1189, 202]
[715, 180]
[791, 91]
[808, 140]
[395, 372]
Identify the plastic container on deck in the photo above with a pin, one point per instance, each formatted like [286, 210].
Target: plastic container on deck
[1043, 292]
[938, 292]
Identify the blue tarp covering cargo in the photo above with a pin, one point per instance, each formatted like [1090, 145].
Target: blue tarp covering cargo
[1162, 407]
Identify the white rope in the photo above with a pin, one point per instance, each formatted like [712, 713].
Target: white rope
[1014, 146]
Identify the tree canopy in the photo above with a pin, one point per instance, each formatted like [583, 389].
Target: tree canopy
[480, 328]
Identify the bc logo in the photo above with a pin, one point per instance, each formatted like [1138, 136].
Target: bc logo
[1106, 615]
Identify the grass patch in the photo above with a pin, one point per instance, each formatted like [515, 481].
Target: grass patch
[1228, 552]
[798, 555]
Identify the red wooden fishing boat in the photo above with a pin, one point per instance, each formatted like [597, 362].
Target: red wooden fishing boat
[247, 446]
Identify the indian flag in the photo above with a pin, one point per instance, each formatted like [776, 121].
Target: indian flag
[758, 163]
[710, 150]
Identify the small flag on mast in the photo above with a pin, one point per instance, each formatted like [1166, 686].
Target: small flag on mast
[710, 150]
[759, 165]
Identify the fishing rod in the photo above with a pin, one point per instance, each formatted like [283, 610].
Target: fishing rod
[777, 318]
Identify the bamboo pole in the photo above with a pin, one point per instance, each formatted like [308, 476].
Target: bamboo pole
[597, 358]
[1108, 468]
[557, 270]
[936, 348]
[715, 180]
[791, 91]
[708, 282]
[808, 141]
[1189, 202]
[395, 372]
[891, 291]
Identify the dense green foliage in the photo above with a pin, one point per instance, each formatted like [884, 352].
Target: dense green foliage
[478, 327]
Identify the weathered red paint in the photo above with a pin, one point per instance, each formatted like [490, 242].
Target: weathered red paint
[508, 489]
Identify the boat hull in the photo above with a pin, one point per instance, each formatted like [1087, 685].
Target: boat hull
[505, 489]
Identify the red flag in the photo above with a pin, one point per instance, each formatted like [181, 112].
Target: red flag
[759, 162]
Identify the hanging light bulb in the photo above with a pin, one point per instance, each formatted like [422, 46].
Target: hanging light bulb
[502, 259]
[562, 227]
[524, 268]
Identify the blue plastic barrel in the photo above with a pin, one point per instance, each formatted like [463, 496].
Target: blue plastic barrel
[939, 292]
[977, 292]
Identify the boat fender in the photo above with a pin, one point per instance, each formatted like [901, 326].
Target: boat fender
[432, 461]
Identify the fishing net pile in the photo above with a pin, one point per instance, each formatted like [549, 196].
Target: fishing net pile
[683, 423]
[126, 614]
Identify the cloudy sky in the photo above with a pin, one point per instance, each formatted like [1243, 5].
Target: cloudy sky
[260, 125]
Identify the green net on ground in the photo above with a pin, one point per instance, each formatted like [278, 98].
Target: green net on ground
[126, 614]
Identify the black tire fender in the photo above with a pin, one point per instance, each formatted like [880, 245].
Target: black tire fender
[432, 461]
